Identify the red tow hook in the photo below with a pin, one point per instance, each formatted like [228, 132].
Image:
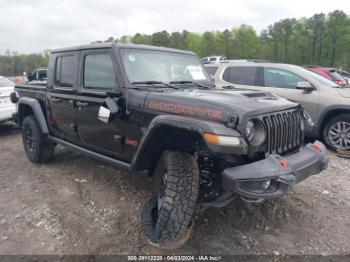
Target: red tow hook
[317, 148]
[283, 163]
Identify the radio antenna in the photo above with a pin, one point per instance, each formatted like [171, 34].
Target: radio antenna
[125, 65]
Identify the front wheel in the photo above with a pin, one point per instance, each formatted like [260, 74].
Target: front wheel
[166, 218]
[336, 133]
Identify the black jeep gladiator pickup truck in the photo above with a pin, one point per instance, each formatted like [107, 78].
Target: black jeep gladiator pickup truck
[154, 110]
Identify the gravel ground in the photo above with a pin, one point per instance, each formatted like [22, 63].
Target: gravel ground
[76, 205]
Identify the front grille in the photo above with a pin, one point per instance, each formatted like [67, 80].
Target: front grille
[283, 131]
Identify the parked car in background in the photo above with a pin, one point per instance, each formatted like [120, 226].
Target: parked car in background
[327, 103]
[329, 73]
[345, 75]
[212, 59]
[38, 76]
[7, 108]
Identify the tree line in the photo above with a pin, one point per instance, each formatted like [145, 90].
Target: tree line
[14, 64]
[323, 39]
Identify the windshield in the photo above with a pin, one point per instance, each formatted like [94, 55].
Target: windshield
[149, 65]
[5, 83]
[211, 69]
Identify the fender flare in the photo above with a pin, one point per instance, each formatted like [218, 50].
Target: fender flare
[188, 124]
[325, 113]
[37, 110]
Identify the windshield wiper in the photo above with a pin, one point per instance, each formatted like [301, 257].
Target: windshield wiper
[153, 83]
[188, 82]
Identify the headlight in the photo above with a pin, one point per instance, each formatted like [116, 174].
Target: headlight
[255, 132]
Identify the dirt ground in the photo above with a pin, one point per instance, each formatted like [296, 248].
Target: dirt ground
[76, 205]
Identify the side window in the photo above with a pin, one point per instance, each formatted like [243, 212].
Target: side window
[274, 77]
[99, 73]
[65, 71]
[240, 75]
[42, 74]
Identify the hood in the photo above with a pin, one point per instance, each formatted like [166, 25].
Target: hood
[218, 104]
[344, 92]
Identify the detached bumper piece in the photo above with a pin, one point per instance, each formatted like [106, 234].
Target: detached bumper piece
[275, 175]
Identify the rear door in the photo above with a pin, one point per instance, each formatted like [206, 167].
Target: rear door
[98, 76]
[61, 95]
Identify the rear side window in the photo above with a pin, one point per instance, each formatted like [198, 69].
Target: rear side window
[65, 71]
[240, 75]
[99, 73]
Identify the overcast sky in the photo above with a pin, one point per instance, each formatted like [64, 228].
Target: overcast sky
[35, 25]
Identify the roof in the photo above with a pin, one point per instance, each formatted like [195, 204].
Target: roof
[119, 45]
[251, 63]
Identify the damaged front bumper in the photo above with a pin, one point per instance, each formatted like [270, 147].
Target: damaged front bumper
[275, 175]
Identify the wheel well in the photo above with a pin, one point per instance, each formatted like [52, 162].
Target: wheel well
[166, 138]
[24, 111]
[329, 115]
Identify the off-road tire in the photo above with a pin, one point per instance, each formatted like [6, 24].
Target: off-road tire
[339, 118]
[39, 149]
[170, 226]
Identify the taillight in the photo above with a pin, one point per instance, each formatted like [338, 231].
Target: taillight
[340, 82]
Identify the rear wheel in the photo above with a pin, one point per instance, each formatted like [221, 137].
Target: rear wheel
[336, 133]
[37, 147]
[166, 218]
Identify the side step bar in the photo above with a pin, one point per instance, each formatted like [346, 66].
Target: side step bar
[102, 158]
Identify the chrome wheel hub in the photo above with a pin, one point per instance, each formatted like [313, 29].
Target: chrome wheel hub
[339, 135]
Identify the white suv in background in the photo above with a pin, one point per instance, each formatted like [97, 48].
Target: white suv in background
[213, 59]
[7, 108]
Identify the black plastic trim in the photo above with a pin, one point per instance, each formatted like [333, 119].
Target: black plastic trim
[100, 157]
[37, 110]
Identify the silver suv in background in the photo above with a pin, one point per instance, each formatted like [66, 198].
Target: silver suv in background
[327, 103]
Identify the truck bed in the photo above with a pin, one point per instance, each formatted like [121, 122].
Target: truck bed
[33, 91]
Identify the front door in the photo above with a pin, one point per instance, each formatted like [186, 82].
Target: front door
[61, 96]
[283, 83]
[98, 76]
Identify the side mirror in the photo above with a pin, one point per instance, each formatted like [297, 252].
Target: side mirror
[13, 97]
[305, 85]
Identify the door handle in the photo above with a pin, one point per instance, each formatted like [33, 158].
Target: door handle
[82, 104]
[56, 100]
